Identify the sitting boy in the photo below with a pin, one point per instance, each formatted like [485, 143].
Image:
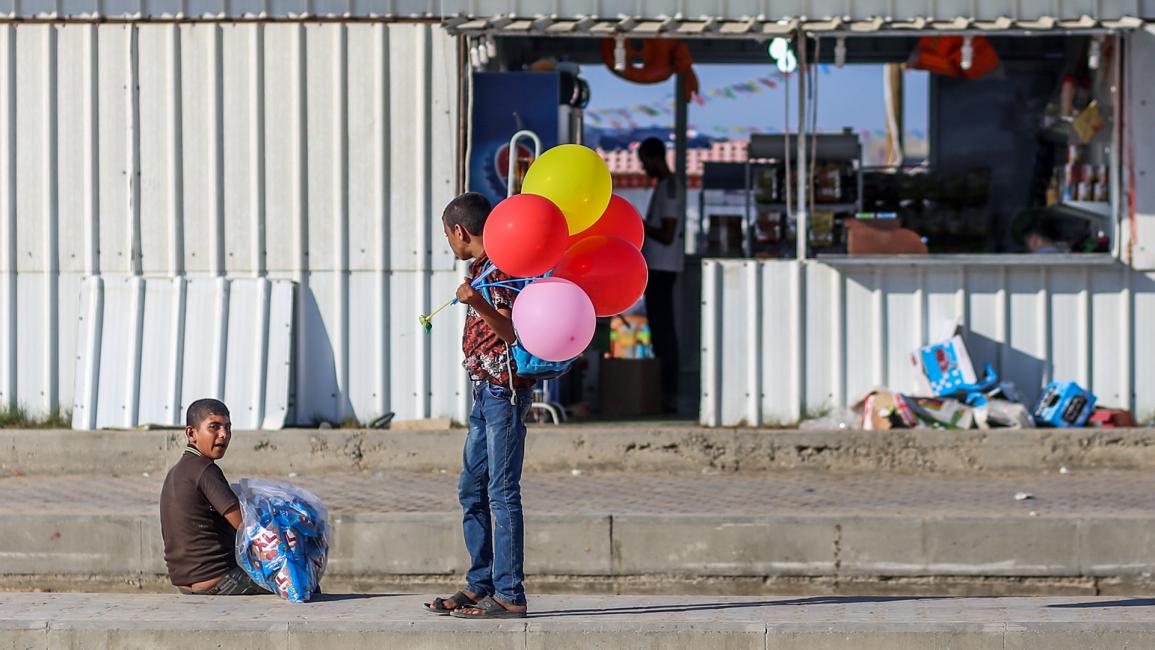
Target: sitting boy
[199, 513]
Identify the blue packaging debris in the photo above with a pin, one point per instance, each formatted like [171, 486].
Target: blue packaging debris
[946, 366]
[283, 543]
[1064, 404]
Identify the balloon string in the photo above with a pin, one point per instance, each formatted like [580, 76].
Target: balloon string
[489, 268]
[506, 285]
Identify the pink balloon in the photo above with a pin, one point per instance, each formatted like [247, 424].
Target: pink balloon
[554, 319]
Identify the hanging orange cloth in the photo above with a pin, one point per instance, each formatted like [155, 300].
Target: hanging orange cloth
[943, 55]
[653, 60]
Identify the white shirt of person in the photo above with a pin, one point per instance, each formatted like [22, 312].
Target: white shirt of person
[664, 205]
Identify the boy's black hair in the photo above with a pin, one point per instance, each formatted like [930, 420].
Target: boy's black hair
[652, 148]
[1047, 229]
[201, 409]
[470, 210]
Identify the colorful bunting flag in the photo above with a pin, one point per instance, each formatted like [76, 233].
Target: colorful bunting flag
[665, 105]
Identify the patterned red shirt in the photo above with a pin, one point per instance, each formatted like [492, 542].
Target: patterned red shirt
[485, 352]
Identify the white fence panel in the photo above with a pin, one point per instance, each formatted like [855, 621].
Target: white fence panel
[158, 344]
[166, 163]
[828, 333]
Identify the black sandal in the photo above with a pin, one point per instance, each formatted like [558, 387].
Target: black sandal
[487, 608]
[438, 605]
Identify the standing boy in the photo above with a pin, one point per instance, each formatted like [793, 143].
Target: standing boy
[495, 445]
[200, 514]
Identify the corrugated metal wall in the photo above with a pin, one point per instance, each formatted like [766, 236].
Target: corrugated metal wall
[607, 9]
[1139, 134]
[317, 153]
[784, 340]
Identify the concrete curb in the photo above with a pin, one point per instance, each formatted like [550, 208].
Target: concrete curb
[381, 546]
[624, 448]
[84, 620]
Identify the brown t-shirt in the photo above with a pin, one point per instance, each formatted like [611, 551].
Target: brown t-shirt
[198, 540]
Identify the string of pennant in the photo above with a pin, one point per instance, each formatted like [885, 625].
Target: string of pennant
[867, 134]
[733, 91]
[625, 116]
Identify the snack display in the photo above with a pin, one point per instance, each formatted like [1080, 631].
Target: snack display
[284, 541]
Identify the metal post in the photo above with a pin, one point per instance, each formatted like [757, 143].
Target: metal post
[803, 223]
[1114, 162]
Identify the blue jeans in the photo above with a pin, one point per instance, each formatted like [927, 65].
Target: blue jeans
[491, 483]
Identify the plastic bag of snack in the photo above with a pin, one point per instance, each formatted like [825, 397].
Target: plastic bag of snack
[284, 541]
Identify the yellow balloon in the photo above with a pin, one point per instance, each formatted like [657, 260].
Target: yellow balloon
[576, 179]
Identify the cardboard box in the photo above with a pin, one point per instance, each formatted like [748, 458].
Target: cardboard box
[883, 410]
[946, 366]
[1064, 404]
[630, 388]
[942, 412]
[1111, 418]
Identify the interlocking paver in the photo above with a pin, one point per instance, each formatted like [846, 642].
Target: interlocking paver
[1099, 493]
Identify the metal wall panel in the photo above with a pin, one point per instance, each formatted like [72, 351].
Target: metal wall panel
[164, 156]
[606, 9]
[158, 344]
[1140, 150]
[783, 340]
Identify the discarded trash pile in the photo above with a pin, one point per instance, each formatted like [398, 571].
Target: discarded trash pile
[952, 396]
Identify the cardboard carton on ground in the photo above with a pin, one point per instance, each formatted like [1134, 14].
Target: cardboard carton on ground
[883, 410]
[943, 412]
[945, 367]
[1064, 404]
[1111, 418]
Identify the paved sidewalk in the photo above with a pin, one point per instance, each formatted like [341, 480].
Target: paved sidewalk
[1084, 494]
[354, 622]
[1087, 527]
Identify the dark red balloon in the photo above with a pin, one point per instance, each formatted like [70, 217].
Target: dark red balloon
[526, 235]
[609, 269]
[620, 220]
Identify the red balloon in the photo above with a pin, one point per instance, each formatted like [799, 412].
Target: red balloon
[526, 235]
[620, 219]
[609, 269]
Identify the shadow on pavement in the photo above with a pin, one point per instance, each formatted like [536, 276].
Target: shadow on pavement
[705, 607]
[1129, 602]
[333, 598]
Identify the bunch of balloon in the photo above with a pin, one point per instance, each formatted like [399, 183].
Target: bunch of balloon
[577, 243]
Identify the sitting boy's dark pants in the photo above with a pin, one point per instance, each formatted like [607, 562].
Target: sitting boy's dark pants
[235, 583]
